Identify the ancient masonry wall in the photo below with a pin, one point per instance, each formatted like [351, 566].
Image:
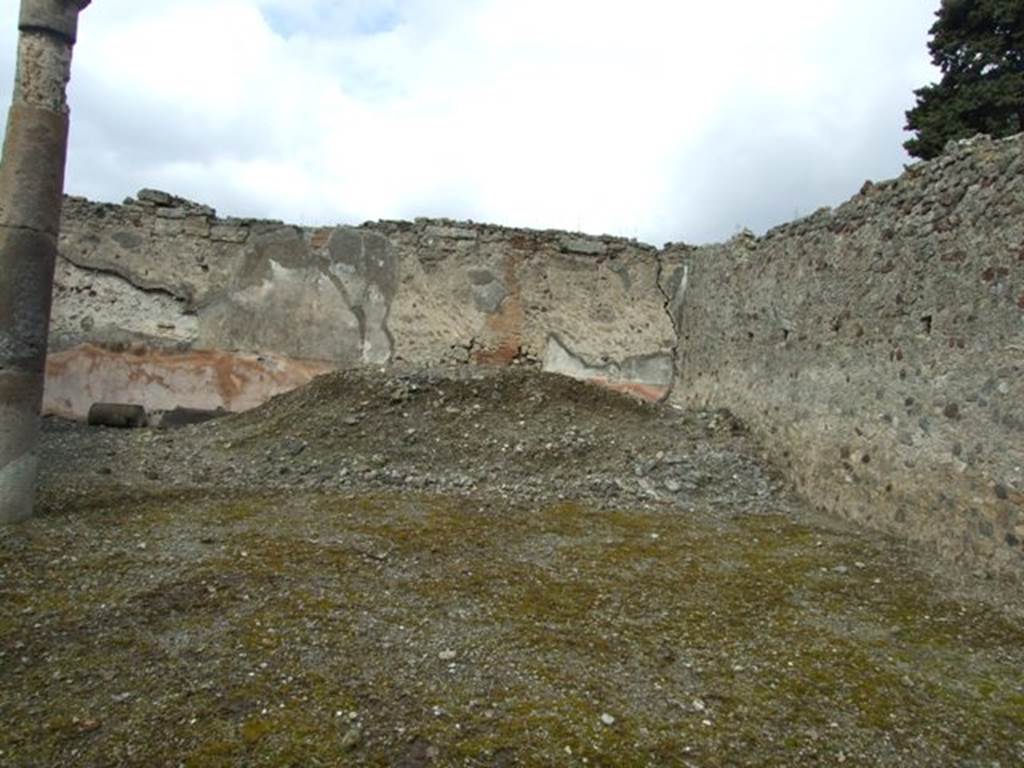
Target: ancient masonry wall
[876, 349]
[159, 302]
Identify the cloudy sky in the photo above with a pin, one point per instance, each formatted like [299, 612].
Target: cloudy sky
[655, 119]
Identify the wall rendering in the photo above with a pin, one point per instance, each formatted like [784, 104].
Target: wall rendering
[157, 278]
[877, 349]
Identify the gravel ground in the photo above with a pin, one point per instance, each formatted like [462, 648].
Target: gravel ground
[482, 568]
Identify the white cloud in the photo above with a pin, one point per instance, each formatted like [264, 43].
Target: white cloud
[653, 119]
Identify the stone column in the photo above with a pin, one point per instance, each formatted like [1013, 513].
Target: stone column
[31, 194]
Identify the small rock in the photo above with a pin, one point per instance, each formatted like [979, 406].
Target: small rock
[351, 739]
[87, 726]
[447, 655]
[607, 719]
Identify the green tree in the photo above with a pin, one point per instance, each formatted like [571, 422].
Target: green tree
[978, 45]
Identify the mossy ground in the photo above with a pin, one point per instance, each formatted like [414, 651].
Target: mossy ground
[313, 628]
[430, 568]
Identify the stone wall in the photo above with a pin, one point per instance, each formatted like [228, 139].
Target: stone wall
[876, 349]
[147, 291]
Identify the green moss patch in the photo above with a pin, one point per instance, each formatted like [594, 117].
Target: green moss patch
[331, 629]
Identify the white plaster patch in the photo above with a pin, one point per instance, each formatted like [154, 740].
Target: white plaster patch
[86, 300]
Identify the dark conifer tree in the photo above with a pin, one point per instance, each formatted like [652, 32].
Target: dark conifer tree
[978, 46]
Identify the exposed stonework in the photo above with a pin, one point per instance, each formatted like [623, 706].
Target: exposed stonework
[165, 273]
[877, 350]
[156, 243]
[93, 306]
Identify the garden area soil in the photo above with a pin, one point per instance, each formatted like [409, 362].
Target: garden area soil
[478, 568]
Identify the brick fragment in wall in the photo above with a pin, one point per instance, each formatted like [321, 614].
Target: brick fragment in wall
[583, 246]
[154, 196]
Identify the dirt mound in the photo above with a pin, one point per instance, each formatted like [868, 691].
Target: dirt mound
[505, 389]
[453, 405]
[516, 431]
[474, 568]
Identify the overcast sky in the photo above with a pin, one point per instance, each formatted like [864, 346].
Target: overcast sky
[656, 119]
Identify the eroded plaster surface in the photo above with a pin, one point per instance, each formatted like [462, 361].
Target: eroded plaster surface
[877, 350]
